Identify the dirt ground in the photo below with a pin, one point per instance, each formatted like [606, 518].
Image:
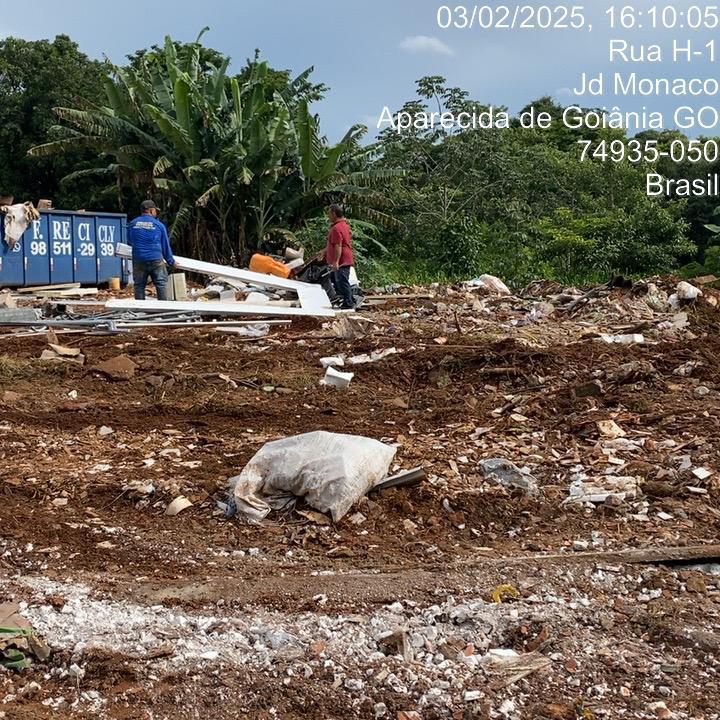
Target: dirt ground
[389, 613]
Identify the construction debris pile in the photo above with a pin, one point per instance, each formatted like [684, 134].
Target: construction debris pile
[554, 554]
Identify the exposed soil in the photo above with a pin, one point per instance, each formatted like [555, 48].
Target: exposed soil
[467, 384]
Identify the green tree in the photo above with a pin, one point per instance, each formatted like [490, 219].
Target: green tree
[35, 77]
[231, 157]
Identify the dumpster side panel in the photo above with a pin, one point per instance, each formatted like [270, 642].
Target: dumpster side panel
[37, 253]
[110, 231]
[12, 272]
[84, 246]
[61, 248]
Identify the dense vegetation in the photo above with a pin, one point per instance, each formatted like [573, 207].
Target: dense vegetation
[238, 162]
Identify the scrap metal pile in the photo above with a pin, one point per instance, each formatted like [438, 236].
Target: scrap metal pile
[231, 294]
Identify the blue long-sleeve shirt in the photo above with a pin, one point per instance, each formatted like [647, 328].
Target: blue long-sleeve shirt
[149, 240]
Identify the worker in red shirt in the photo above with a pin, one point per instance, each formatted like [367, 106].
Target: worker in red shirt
[339, 254]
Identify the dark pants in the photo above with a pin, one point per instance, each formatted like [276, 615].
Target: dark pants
[155, 269]
[341, 281]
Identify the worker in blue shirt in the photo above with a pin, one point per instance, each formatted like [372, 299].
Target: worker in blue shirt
[151, 251]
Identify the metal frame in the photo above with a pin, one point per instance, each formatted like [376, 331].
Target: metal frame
[219, 308]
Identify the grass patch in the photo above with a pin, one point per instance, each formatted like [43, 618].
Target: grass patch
[14, 369]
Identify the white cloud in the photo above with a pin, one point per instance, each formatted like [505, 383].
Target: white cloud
[423, 43]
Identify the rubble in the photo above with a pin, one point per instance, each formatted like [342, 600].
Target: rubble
[553, 554]
[509, 474]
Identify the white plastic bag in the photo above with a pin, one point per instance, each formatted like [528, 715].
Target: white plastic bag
[329, 470]
[490, 283]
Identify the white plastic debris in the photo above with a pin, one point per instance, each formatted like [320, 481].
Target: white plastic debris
[257, 298]
[635, 339]
[374, 356]
[329, 470]
[702, 473]
[686, 291]
[509, 474]
[334, 361]
[600, 489]
[178, 505]
[335, 378]
[490, 283]
[105, 430]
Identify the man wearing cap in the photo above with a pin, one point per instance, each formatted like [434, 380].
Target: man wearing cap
[151, 251]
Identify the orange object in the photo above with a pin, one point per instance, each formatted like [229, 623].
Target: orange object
[269, 266]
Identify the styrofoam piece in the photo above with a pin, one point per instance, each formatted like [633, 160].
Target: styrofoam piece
[335, 378]
[635, 339]
[257, 298]
[177, 286]
[334, 361]
[218, 308]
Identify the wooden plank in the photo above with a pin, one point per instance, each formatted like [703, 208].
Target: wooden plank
[69, 293]
[39, 288]
[630, 556]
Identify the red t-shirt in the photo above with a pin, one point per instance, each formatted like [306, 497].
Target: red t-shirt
[340, 234]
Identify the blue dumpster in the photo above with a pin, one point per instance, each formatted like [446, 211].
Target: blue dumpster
[65, 247]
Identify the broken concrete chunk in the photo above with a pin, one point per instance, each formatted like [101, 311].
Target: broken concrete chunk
[508, 474]
[610, 429]
[7, 300]
[688, 368]
[120, 367]
[351, 327]
[588, 389]
[24, 314]
[639, 369]
[63, 354]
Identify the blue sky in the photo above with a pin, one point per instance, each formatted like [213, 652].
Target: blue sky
[370, 52]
